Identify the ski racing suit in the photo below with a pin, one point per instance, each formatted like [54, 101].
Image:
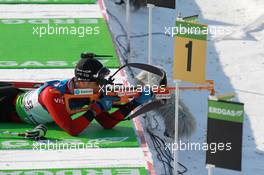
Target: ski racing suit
[46, 104]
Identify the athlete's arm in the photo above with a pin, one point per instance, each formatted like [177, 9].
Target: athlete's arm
[53, 101]
[108, 120]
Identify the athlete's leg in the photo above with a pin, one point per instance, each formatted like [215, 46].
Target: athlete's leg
[8, 95]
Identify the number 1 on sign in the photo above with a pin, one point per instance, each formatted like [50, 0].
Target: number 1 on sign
[189, 60]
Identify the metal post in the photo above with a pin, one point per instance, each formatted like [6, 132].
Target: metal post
[177, 98]
[150, 7]
[128, 30]
[210, 169]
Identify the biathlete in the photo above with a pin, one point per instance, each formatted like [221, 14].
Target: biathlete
[47, 103]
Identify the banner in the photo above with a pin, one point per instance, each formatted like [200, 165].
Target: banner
[190, 52]
[163, 3]
[224, 133]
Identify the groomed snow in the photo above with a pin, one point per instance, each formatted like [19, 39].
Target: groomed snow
[82, 158]
[235, 61]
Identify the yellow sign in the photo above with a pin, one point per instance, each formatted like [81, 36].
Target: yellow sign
[190, 53]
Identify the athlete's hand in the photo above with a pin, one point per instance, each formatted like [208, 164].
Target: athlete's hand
[36, 133]
[145, 96]
[106, 102]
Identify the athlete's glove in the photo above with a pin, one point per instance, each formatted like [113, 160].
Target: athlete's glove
[145, 96]
[36, 133]
[106, 102]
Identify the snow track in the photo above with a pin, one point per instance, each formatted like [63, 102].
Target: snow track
[50, 11]
[88, 158]
[82, 158]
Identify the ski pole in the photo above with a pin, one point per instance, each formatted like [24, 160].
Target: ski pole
[12, 133]
[36, 133]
